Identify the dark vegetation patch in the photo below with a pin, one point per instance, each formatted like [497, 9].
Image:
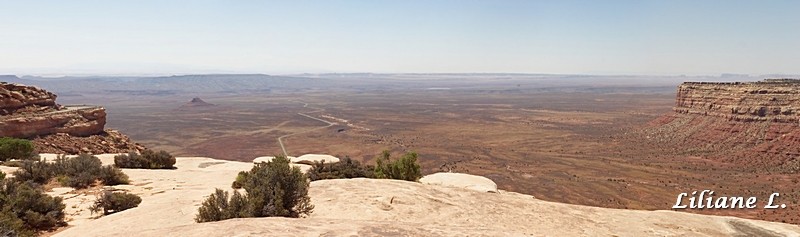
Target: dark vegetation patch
[148, 159]
[79, 172]
[272, 189]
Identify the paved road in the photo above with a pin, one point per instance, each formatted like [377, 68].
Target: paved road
[305, 105]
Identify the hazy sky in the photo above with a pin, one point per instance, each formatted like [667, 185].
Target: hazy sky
[592, 37]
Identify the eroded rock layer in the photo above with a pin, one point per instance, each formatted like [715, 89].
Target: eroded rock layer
[32, 113]
[775, 100]
[14, 97]
[108, 141]
[76, 122]
[752, 124]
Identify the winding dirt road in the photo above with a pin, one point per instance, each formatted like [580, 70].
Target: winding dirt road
[316, 109]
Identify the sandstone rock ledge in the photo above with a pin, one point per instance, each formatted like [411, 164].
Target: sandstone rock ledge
[75, 122]
[32, 113]
[14, 97]
[373, 207]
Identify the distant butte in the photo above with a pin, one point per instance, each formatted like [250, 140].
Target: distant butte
[197, 102]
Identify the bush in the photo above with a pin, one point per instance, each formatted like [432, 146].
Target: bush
[78, 172]
[219, 207]
[35, 171]
[11, 225]
[405, 168]
[147, 160]
[273, 189]
[110, 202]
[347, 168]
[12, 148]
[111, 175]
[240, 179]
[24, 208]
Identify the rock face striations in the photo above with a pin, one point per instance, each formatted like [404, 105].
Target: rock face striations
[775, 100]
[16, 98]
[751, 124]
[32, 113]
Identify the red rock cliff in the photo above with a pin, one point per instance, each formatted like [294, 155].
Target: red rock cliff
[753, 124]
[14, 97]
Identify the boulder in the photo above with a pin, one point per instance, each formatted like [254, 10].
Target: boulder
[467, 181]
[309, 159]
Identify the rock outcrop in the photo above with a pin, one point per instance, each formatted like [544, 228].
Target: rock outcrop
[14, 97]
[775, 100]
[106, 142]
[380, 207]
[32, 113]
[83, 121]
[750, 124]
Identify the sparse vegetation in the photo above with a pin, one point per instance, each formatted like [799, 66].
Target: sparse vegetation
[219, 207]
[147, 160]
[12, 148]
[405, 168]
[347, 168]
[112, 202]
[272, 189]
[78, 172]
[25, 209]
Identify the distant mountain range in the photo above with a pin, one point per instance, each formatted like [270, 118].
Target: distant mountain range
[259, 83]
[187, 83]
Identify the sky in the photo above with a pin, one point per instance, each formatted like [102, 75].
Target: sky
[699, 37]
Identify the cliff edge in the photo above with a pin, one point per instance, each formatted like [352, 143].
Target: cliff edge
[750, 124]
[32, 113]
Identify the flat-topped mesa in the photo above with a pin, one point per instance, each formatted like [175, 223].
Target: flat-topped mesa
[776, 100]
[15, 97]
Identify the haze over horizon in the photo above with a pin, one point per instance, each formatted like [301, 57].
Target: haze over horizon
[564, 37]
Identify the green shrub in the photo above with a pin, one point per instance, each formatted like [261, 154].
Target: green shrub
[273, 189]
[405, 168]
[12, 148]
[347, 168]
[240, 179]
[147, 160]
[25, 208]
[35, 171]
[219, 207]
[79, 172]
[110, 202]
[11, 225]
[111, 175]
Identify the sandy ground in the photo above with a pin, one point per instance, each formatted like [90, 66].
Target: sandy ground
[369, 207]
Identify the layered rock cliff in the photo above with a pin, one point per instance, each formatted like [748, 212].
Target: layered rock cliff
[775, 100]
[32, 113]
[752, 124]
[15, 97]
[73, 121]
